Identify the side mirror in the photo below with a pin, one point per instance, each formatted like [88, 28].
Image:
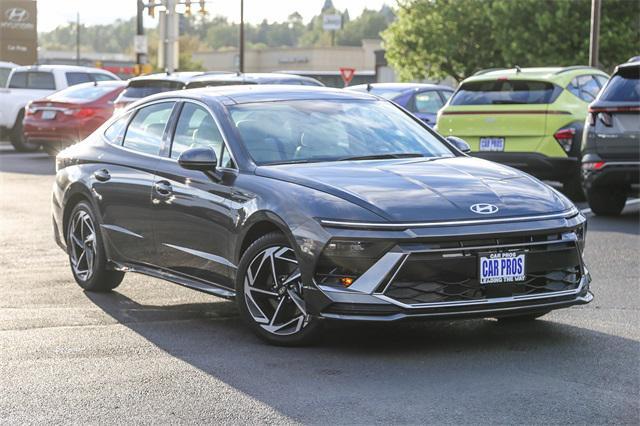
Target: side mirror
[459, 143]
[203, 159]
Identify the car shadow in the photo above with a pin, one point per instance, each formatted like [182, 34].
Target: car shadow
[628, 222]
[457, 366]
[36, 163]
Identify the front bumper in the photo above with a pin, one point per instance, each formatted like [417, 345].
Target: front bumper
[436, 275]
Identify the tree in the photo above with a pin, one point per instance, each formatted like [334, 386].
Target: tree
[458, 37]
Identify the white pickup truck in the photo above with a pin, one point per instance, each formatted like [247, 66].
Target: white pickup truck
[29, 83]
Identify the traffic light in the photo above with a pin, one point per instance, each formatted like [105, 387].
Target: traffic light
[187, 7]
[203, 11]
[152, 10]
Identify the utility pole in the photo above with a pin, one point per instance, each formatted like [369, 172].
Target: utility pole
[77, 38]
[140, 57]
[594, 39]
[241, 61]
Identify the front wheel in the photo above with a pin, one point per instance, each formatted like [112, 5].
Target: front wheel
[86, 252]
[270, 296]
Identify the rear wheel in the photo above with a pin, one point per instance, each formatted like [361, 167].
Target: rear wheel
[572, 188]
[86, 252]
[17, 138]
[270, 295]
[606, 201]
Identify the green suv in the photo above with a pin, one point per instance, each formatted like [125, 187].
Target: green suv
[528, 118]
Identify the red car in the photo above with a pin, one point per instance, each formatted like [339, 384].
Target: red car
[70, 115]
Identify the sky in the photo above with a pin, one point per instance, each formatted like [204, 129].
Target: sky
[52, 13]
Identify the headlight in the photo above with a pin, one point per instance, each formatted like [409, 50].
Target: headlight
[343, 261]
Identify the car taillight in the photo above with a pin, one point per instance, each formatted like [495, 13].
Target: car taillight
[594, 165]
[606, 119]
[565, 137]
[29, 110]
[81, 112]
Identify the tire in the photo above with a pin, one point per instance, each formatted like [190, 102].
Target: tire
[274, 311]
[86, 252]
[572, 188]
[606, 201]
[17, 138]
[521, 318]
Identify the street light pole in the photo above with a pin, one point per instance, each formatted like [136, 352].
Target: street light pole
[77, 38]
[594, 39]
[140, 57]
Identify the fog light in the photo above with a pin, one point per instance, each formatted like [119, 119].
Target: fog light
[346, 281]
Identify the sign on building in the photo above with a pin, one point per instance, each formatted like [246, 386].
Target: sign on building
[18, 31]
[331, 22]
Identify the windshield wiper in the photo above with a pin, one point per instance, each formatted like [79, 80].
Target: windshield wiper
[382, 156]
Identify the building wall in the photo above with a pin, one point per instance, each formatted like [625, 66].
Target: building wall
[362, 58]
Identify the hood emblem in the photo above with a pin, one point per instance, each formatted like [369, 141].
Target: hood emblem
[484, 208]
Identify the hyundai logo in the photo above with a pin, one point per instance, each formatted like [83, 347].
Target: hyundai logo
[484, 208]
[16, 14]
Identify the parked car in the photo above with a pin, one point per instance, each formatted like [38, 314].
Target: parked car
[34, 82]
[5, 70]
[611, 142]
[309, 203]
[423, 100]
[146, 85]
[229, 79]
[529, 118]
[70, 115]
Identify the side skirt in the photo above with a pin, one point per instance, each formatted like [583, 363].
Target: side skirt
[205, 287]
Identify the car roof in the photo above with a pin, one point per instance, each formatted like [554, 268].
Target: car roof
[258, 77]
[182, 76]
[241, 94]
[399, 86]
[560, 75]
[61, 67]
[634, 64]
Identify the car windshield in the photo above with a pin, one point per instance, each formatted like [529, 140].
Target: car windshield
[331, 130]
[496, 92]
[82, 93]
[623, 87]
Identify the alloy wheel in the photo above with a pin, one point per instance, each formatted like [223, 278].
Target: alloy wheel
[273, 291]
[82, 244]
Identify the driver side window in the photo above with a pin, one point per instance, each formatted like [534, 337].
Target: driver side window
[196, 128]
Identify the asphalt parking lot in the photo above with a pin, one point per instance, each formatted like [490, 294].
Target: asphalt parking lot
[153, 352]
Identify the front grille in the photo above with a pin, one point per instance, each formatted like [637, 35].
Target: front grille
[453, 276]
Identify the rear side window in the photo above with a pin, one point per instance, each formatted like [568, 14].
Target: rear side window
[115, 132]
[428, 102]
[586, 87]
[143, 88]
[4, 75]
[77, 78]
[37, 80]
[496, 92]
[145, 130]
[624, 86]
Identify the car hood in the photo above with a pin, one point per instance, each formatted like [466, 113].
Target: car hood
[426, 189]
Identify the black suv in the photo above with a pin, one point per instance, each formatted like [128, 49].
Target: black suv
[611, 142]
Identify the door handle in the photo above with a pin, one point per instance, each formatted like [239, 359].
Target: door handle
[102, 175]
[163, 188]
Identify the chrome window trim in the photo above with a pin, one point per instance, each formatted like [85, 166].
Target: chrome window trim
[400, 225]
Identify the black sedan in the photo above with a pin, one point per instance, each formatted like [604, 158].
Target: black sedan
[308, 204]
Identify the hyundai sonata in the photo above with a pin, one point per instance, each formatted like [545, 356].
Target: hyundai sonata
[308, 204]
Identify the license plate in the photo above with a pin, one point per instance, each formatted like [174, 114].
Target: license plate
[491, 144]
[505, 267]
[48, 115]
